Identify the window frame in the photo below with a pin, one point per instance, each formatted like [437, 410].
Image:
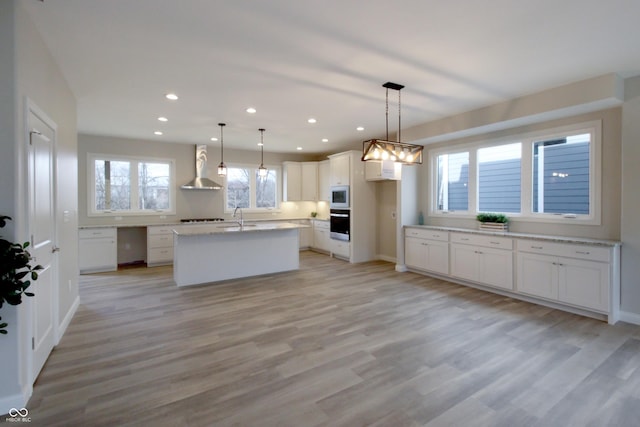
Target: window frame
[252, 184]
[594, 128]
[133, 171]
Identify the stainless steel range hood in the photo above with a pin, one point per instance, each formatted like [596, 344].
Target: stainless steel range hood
[201, 182]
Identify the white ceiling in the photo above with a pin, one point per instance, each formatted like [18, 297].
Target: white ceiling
[295, 59]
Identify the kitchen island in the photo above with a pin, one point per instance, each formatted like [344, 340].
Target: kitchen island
[211, 253]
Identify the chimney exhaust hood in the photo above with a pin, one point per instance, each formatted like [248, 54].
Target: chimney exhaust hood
[201, 182]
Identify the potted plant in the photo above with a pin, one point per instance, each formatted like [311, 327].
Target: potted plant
[16, 272]
[493, 221]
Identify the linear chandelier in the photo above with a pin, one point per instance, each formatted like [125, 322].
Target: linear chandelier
[396, 151]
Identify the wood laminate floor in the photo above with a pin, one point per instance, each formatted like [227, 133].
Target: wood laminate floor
[332, 344]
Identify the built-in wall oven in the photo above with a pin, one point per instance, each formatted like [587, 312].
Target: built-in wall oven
[340, 224]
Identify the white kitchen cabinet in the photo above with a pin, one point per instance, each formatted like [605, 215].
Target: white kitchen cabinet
[98, 250]
[583, 280]
[305, 234]
[309, 176]
[292, 191]
[321, 239]
[379, 170]
[324, 181]
[340, 168]
[482, 259]
[159, 245]
[427, 250]
[340, 248]
[300, 181]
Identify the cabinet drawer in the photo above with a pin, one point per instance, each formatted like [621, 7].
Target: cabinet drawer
[592, 253]
[321, 224]
[156, 255]
[422, 233]
[160, 240]
[481, 240]
[160, 230]
[97, 233]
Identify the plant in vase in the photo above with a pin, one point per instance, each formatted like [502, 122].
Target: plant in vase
[15, 272]
[493, 221]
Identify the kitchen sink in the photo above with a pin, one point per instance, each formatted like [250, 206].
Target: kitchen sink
[236, 226]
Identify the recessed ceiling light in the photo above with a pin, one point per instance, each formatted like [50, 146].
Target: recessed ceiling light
[163, 119]
[325, 140]
[172, 96]
[157, 132]
[251, 110]
[312, 120]
[359, 128]
[298, 148]
[214, 138]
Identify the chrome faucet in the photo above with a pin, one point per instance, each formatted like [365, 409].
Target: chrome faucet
[241, 222]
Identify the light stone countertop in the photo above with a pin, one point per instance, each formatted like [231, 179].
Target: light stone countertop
[542, 237]
[193, 224]
[227, 228]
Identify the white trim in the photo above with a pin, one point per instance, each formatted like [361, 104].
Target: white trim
[593, 127]
[62, 328]
[626, 316]
[91, 195]
[386, 258]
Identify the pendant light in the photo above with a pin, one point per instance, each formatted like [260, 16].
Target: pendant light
[262, 171]
[396, 151]
[222, 168]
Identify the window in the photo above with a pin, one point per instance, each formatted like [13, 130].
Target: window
[561, 175]
[499, 169]
[123, 186]
[543, 176]
[453, 180]
[245, 189]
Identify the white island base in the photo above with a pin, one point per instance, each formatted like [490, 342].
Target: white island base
[210, 254]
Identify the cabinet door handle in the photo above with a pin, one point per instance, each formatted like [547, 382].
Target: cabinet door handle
[424, 244]
[435, 235]
[495, 243]
[477, 252]
[536, 247]
[464, 239]
[583, 252]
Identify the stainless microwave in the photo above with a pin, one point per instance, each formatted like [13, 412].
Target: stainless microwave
[340, 196]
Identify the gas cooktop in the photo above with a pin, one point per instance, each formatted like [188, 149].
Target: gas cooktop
[202, 219]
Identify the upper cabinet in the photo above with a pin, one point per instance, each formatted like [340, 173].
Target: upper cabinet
[309, 181]
[382, 170]
[340, 167]
[300, 181]
[324, 181]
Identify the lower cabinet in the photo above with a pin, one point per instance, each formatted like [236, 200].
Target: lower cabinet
[340, 248]
[159, 245]
[584, 282]
[321, 239]
[575, 276]
[427, 250]
[483, 259]
[98, 250]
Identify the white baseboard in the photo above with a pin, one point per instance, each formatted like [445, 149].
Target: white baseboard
[386, 258]
[62, 328]
[634, 318]
[17, 401]
[401, 268]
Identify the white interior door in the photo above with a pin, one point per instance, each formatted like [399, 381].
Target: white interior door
[42, 225]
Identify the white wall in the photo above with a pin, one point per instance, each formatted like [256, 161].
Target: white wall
[37, 78]
[630, 264]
